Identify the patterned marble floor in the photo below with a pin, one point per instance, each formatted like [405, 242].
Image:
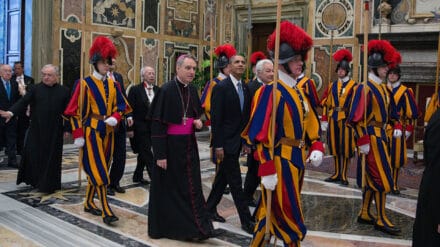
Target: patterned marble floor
[31, 219]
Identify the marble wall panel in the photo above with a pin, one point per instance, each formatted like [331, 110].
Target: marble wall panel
[120, 13]
[70, 40]
[334, 15]
[151, 13]
[72, 9]
[150, 54]
[125, 59]
[182, 18]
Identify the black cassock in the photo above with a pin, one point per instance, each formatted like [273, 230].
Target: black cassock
[40, 164]
[425, 232]
[177, 207]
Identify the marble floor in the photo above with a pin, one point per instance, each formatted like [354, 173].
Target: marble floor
[28, 218]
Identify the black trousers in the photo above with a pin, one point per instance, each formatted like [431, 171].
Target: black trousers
[145, 157]
[119, 155]
[229, 173]
[252, 180]
[8, 134]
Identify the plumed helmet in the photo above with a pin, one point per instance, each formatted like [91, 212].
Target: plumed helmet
[224, 53]
[395, 70]
[343, 57]
[293, 41]
[394, 64]
[380, 53]
[102, 49]
[257, 56]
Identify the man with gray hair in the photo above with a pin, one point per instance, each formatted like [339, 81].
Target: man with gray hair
[140, 98]
[9, 94]
[40, 165]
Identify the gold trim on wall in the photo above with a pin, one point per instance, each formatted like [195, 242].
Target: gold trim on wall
[435, 4]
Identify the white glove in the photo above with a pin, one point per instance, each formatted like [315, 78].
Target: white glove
[324, 125]
[269, 181]
[407, 134]
[364, 149]
[111, 121]
[397, 133]
[79, 142]
[315, 158]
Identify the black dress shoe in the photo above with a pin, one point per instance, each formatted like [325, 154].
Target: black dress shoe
[331, 180]
[141, 181]
[218, 218]
[248, 228]
[395, 192]
[110, 191]
[118, 189]
[109, 219]
[360, 220]
[388, 229]
[344, 182]
[227, 190]
[93, 211]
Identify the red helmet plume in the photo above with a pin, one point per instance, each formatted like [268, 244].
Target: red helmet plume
[102, 49]
[257, 56]
[396, 60]
[380, 53]
[224, 53]
[227, 49]
[343, 54]
[293, 41]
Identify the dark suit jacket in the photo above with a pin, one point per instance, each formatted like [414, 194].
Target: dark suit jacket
[118, 78]
[139, 102]
[253, 86]
[6, 103]
[227, 119]
[27, 80]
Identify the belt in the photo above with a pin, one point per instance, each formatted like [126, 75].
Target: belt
[292, 142]
[97, 116]
[339, 108]
[377, 124]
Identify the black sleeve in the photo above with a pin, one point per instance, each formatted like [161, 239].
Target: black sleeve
[21, 105]
[217, 103]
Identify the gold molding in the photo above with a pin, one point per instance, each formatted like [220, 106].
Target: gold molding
[415, 14]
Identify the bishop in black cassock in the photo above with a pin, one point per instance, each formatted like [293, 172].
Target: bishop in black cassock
[177, 208]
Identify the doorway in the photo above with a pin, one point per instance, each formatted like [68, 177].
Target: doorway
[260, 33]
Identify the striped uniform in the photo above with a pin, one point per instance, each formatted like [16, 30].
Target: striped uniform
[379, 179]
[205, 99]
[336, 103]
[406, 107]
[99, 99]
[294, 123]
[309, 89]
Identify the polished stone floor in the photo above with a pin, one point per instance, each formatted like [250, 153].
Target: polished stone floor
[28, 218]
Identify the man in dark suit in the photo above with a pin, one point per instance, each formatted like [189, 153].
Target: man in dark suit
[264, 74]
[8, 96]
[24, 82]
[120, 148]
[140, 98]
[230, 108]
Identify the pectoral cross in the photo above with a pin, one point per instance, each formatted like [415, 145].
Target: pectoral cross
[184, 119]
